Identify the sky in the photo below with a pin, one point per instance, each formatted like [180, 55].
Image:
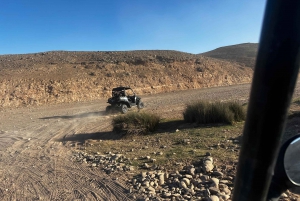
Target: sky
[193, 26]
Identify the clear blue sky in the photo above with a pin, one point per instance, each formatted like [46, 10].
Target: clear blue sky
[194, 26]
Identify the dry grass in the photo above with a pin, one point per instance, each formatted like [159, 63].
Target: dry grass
[180, 147]
[203, 112]
[172, 149]
[136, 123]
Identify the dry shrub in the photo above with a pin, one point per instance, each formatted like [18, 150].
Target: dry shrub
[204, 112]
[136, 123]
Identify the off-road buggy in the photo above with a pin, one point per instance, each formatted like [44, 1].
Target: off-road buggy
[122, 99]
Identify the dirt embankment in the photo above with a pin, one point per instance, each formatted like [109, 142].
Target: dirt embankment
[56, 77]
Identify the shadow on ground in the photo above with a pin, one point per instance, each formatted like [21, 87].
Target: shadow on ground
[83, 115]
[82, 137]
[172, 126]
[164, 127]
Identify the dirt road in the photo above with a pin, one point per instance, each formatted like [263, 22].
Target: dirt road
[36, 165]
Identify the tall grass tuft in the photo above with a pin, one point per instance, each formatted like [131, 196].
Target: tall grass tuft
[136, 123]
[204, 112]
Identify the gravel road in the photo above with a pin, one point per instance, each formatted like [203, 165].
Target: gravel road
[36, 165]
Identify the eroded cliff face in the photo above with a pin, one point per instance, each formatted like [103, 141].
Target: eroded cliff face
[57, 77]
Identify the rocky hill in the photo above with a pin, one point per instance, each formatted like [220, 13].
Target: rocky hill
[244, 54]
[63, 76]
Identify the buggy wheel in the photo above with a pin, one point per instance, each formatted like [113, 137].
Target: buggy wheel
[140, 105]
[108, 109]
[124, 108]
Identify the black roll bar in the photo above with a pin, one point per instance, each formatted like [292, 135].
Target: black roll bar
[272, 88]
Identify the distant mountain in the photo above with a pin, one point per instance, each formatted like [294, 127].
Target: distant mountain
[244, 54]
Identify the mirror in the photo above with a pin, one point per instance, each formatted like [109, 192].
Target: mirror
[292, 161]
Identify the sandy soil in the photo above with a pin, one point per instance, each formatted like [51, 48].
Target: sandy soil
[35, 164]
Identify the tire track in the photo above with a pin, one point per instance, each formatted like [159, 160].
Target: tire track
[30, 137]
[78, 194]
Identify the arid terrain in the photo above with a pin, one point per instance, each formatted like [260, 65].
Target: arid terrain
[53, 108]
[62, 77]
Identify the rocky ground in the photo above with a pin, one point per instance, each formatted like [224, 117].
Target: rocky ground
[200, 182]
[44, 154]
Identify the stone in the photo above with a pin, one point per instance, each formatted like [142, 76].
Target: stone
[151, 189]
[207, 166]
[146, 183]
[224, 197]
[204, 177]
[166, 175]
[217, 173]
[209, 158]
[176, 195]
[144, 174]
[214, 190]
[134, 181]
[187, 197]
[224, 181]
[151, 175]
[161, 179]
[214, 182]
[166, 195]
[183, 185]
[186, 141]
[188, 176]
[227, 191]
[213, 198]
[146, 166]
[222, 186]
[192, 171]
[187, 181]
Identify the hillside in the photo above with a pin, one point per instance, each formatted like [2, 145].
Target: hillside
[244, 54]
[62, 76]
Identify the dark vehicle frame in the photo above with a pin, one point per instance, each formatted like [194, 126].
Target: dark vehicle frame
[122, 99]
[260, 175]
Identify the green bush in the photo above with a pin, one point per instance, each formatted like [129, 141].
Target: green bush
[136, 123]
[204, 112]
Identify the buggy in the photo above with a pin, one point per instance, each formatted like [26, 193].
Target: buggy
[122, 99]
